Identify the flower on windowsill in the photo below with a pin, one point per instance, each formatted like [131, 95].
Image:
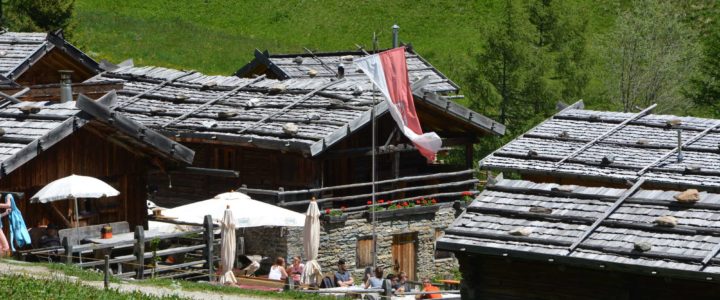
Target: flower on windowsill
[467, 196]
[334, 212]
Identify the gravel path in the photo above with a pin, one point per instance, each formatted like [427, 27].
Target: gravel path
[42, 272]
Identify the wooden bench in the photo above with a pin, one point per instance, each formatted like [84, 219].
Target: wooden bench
[250, 282]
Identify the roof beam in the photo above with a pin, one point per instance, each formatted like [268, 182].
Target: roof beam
[676, 149]
[320, 61]
[132, 129]
[634, 117]
[607, 213]
[137, 97]
[577, 105]
[213, 101]
[289, 106]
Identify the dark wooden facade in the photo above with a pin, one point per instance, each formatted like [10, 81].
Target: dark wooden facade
[497, 278]
[44, 141]
[89, 154]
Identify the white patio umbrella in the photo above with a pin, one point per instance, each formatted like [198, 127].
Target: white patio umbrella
[311, 243]
[73, 187]
[227, 248]
[247, 212]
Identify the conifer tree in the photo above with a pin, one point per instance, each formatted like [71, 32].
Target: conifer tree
[39, 15]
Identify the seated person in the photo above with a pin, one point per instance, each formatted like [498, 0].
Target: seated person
[402, 283]
[277, 270]
[342, 276]
[295, 270]
[393, 281]
[51, 237]
[375, 282]
[428, 287]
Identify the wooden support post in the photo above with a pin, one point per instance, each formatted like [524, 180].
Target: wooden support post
[288, 284]
[139, 252]
[106, 277]
[68, 250]
[281, 197]
[208, 251]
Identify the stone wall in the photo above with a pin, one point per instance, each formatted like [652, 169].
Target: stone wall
[272, 241]
[340, 241]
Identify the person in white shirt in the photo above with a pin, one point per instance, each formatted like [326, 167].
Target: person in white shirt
[277, 270]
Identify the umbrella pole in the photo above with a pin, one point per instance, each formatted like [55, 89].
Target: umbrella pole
[77, 214]
[374, 129]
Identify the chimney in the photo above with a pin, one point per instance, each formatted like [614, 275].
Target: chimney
[396, 31]
[341, 71]
[65, 86]
[679, 145]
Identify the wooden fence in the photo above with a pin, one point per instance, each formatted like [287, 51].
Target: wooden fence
[143, 261]
[438, 185]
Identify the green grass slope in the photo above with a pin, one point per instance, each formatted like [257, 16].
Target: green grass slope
[218, 36]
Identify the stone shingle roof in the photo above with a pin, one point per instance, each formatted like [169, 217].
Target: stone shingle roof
[556, 217]
[256, 111]
[597, 146]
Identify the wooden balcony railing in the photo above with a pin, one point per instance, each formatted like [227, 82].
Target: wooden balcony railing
[438, 185]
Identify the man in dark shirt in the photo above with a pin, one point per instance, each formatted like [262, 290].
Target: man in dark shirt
[342, 276]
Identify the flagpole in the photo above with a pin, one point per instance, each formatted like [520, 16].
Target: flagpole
[374, 208]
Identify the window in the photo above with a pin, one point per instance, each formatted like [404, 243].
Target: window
[364, 252]
[439, 254]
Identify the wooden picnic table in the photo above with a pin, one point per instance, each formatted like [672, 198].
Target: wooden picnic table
[128, 237]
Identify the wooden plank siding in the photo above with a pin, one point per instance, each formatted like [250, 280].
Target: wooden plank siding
[487, 277]
[258, 168]
[83, 153]
[46, 69]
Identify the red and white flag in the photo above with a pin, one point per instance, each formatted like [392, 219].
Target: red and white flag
[388, 71]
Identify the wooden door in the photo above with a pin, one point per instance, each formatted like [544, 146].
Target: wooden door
[403, 254]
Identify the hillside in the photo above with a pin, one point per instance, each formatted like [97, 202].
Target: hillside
[218, 37]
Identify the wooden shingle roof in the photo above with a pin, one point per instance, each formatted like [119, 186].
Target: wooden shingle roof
[614, 147]
[325, 64]
[20, 50]
[30, 127]
[256, 112]
[594, 227]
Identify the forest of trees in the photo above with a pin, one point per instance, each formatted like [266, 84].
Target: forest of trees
[664, 52]
[536, 53]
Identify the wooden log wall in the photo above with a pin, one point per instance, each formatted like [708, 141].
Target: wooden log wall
[83, 153]
[258, 168]
[501, 278]
[46, 69]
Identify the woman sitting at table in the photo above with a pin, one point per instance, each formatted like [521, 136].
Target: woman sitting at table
[277, 270]
[375, 282]
[295, 270]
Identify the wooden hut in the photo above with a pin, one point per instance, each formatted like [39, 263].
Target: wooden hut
[33, 58]
[295, 138]
[614, 206]
[42, 141]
